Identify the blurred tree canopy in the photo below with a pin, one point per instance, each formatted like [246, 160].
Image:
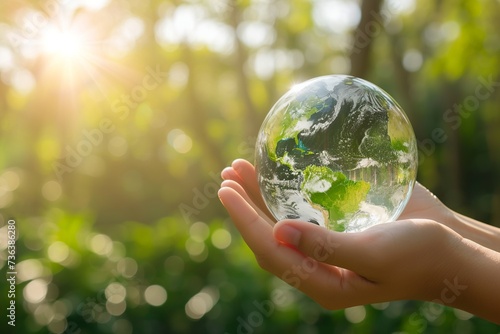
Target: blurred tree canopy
[117, 116]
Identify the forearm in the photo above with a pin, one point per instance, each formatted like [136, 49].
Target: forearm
[481, 233]
[475, 285]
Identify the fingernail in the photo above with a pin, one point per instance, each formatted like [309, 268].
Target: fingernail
[289, 235]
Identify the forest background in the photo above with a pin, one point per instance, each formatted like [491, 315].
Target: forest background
[116, 118]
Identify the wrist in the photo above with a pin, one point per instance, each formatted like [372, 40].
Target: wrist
[477, 273]
[442, 280]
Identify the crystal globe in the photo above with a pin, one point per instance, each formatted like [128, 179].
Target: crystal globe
[336, 151]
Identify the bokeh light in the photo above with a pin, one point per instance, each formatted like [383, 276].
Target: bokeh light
[44, 314]
[127, 267]
[199, 231]
[355, 314]
[194, 247]
[155, 295]
[29, 269]
[412, 60]
[221, 238]
[202, 302]
[35, 291]
[58, 252]
[115, 293]
[101, 244]
[180, 141]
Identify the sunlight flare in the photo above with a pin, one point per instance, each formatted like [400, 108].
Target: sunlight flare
[67, 44]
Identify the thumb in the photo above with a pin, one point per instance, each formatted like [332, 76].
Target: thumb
[346, 250]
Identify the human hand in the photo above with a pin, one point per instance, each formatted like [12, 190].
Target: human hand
[422, 205]
[338, 270]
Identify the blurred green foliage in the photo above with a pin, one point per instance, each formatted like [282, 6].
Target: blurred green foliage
[117, 116]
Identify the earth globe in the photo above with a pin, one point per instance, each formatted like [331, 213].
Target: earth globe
[336, 151]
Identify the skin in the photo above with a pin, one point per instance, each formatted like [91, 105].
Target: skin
[431, 253]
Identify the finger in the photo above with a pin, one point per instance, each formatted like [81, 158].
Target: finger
[247, 172]
[344, 252]
[340, 249]
[243, 172]
[330, 286]
[239, 189]
[229, 173]
[278, 259]
[255, 230]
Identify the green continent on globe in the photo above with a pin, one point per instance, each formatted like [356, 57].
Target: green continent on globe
[333, 193]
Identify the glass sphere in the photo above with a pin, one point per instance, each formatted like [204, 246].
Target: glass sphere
[336, 151]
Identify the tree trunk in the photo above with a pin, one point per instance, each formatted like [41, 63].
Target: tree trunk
[243, 89]
[368, 28]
